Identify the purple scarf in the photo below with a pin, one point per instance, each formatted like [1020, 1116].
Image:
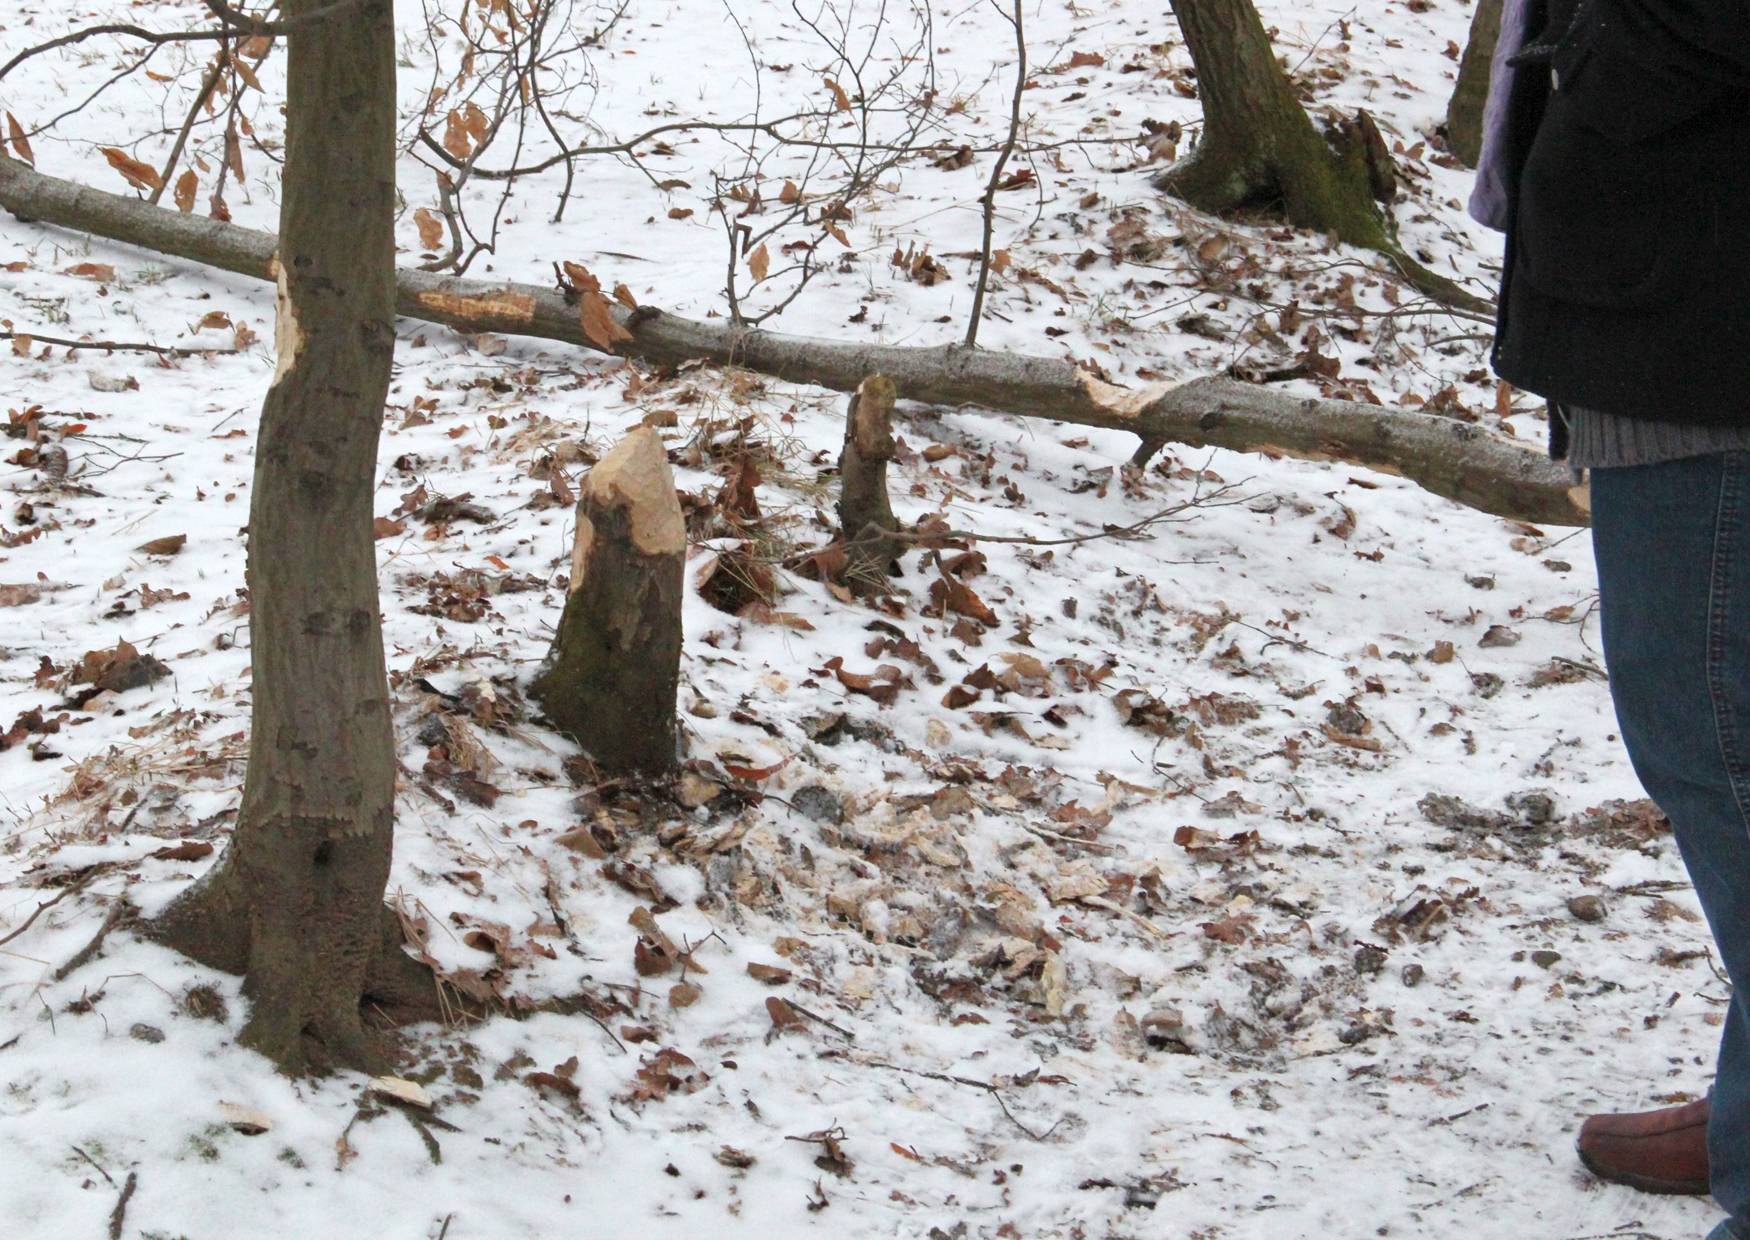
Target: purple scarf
[1488, 201]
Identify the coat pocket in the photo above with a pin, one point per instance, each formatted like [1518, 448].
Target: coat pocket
[1612, 223]
[1620, 87]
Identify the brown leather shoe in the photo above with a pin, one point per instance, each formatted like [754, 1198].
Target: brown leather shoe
[1661, 1151]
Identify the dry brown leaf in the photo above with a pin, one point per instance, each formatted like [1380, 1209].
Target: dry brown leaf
[684, 994]
[234, 153]
[600, 327]
[474, 121]
[169, 545]
[840, 100]
[784, 1017]
[760, 262]
[139, 175]
[186, 185]
[456, 135]
[247, 74]
[188, 850]
[103, 273]
[431, 228]
[20, 143]
[952, 594]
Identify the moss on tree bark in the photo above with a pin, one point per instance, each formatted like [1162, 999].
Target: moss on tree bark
[1258, 145]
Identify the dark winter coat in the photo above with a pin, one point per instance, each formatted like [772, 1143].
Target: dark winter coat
[1625, 157]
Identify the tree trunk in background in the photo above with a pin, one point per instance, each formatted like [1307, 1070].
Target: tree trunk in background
[1257, 141]
[1259, 145]
[1464, 114]
[611, 678]
[297, 900]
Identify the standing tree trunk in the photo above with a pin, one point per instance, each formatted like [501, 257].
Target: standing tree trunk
[612, 675]
[1464, 114]
[1259, 145]
[296, 903]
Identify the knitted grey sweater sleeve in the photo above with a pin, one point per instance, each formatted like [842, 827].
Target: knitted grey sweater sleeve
[1599, 440]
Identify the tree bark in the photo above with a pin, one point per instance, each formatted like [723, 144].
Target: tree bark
[865, 513]
[611, 678]
[1464, 114]
[1462, 462]
[297, 900]
[1259, 145]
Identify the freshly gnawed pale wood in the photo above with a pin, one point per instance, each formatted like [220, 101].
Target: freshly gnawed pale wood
[611, 677]
[635, 476]
[402, 1090]
[1463, 462]
[288, 337]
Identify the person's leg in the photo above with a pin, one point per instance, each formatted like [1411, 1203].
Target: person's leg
[1673, 549]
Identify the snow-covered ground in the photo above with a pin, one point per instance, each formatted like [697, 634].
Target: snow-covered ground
[1172, 930]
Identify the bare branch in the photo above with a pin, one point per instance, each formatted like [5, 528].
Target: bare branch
[989, 201]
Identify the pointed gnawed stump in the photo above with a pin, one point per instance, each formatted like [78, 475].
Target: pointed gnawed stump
[866, 520]
[610, 679]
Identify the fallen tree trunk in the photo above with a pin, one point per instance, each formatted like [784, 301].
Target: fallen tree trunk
[1461, 462]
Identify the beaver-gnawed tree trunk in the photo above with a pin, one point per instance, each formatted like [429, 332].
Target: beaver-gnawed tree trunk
[611, 678]
[296, 902]
[1258, 145]
[1464, 114]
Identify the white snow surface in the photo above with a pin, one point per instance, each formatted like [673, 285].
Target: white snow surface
[1361, 1041]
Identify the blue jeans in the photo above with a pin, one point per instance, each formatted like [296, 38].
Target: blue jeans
[1673, 548]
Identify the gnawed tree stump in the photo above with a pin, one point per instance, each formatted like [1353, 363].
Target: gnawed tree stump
[610, 679]
[866, 520]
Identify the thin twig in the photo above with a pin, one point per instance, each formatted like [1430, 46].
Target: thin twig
[117, 911]
[78, 884]
[971, 1081]
[208, 84]
[113, 346]
[818, 1019]
[1028, 540]
[100, 1171]
[234, 23]
[119, 1215]
[996, 176]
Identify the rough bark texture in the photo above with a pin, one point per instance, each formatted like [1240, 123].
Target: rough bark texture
[1259, 145]
[297, 900]
[1459, 461]
[1464, 114]
[865, 514]
[611, 677]
[1257, 140]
